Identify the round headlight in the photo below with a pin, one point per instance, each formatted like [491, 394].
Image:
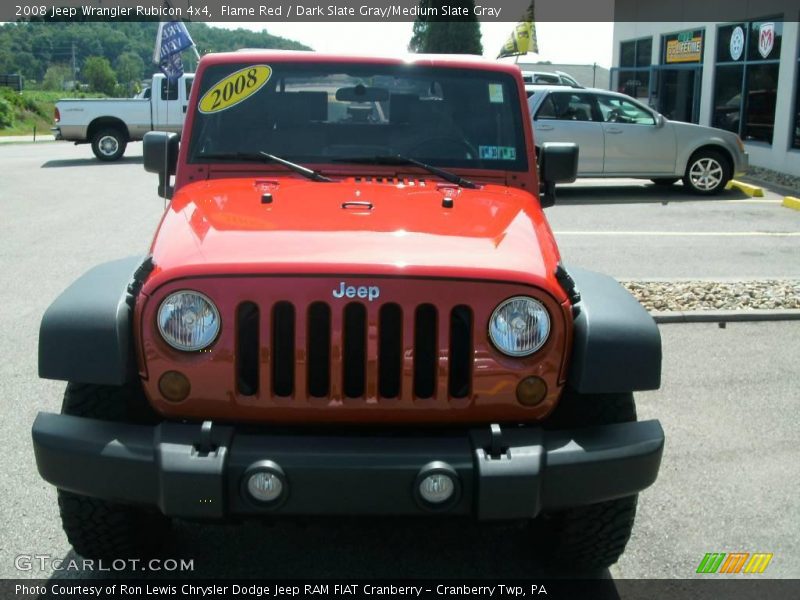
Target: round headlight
[188, 320]
[519, 326]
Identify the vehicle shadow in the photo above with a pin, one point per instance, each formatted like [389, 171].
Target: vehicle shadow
[91, 162]
[637, 194]
[351, 548]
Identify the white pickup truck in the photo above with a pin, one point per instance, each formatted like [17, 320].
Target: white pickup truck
[108, 124]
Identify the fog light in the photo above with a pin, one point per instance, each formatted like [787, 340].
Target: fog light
[437, 488]
[437, 485]
[174, 386]
[264, 486]
[265, 483]
[531, 391]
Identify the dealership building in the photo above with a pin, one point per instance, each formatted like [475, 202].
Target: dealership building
[742, 76]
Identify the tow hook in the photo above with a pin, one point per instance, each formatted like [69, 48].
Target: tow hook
[497, 448]
[508, 473]
[205, 445]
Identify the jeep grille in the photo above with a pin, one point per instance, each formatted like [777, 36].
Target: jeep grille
[355, 362]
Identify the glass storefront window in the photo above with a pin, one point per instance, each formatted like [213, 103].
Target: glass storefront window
[730, 42]
[796, 136]
[636, 53]
[765, 40]
[746, 78]
[759, 105]
[644, 52]
[728, 97]
[627, 54]
[635, 83]
[633, 78]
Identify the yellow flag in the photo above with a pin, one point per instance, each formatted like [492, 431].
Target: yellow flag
[523, 39]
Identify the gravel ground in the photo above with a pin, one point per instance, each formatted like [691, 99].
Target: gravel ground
[711, 295]
[760, 174]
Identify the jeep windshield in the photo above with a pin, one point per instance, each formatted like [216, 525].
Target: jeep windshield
[321, 113]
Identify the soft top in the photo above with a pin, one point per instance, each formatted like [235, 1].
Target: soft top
[465, 61]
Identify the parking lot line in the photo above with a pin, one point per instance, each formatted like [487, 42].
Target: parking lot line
[750, 201]
[688, 233]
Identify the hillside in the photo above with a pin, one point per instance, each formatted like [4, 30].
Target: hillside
[51, 56]
[31, 48]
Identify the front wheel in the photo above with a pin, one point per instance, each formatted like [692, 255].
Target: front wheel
[109, 144]
[100, 529]
[594, 536]
[707, 173]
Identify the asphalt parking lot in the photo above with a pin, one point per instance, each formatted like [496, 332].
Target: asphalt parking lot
[728, 402]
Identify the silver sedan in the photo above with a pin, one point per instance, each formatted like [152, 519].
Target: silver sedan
[620, 137]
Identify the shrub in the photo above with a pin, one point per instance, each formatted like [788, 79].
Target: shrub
[6, 113]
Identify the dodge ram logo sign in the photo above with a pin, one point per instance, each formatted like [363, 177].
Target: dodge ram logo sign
[371, 292]
[766, 39]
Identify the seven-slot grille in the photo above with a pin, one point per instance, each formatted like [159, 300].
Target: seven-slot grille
[357, 350]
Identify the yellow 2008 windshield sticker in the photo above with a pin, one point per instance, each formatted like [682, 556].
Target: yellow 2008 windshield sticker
[234, 88]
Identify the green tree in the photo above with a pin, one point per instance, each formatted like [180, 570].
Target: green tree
[437, 34]
[420, 28]
[97, 72]
[55, 77]
[129, 71]
[30, 47]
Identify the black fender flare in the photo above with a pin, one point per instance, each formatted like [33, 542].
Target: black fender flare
[616, 343]
[86, 333]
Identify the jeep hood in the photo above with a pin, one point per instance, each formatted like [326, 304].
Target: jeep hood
[357, 226]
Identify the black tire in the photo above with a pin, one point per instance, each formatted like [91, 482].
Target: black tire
[99, 528]
[707, 172]
[665, 181]
[589, 537]
[594, 536]
[109, 144]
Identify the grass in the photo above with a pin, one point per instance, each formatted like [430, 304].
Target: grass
[31, 108]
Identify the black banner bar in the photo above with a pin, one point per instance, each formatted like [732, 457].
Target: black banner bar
[265, 11]
[711, 587]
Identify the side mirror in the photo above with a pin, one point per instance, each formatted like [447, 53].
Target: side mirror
[558, 163]
[161, 156]
[660, 120]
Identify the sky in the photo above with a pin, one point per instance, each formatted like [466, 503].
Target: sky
[566, 43]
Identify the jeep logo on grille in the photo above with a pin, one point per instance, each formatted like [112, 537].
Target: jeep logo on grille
[371, 292]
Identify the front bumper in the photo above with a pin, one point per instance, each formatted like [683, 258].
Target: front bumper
[196, 471]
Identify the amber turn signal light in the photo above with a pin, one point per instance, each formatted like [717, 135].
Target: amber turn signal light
[174, 386]
[531, 391]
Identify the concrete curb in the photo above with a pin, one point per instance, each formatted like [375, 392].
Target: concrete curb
[753, 191]
[726, 316]
[772, 186]
[27, 139]
[726, 279]
[791, 202]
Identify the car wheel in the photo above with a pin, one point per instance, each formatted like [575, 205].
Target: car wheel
[707, 172]
[109, 144]
[96, 528]
[665, 181]
[593, 536]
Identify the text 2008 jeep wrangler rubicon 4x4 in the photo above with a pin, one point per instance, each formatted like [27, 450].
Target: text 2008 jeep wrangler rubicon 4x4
[353, 306]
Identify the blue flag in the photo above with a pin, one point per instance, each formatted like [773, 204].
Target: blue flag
[172, 39]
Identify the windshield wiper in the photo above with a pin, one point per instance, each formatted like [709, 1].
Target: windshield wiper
[265, 157]
[399, 159]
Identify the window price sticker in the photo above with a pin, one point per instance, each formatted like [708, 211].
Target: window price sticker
[496, 93]
[497, 152]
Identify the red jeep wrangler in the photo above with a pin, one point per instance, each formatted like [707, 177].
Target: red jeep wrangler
[354, 305]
